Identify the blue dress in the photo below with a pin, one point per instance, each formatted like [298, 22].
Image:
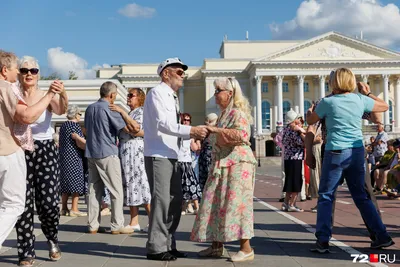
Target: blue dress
[72, 175]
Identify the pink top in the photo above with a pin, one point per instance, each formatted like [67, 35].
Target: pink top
[22, 132]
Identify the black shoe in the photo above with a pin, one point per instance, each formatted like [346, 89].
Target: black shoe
[303, 200]
[321, 247]
[382, 244]
[282, 199]
[178, 254]
[309, 198]
[163, 256]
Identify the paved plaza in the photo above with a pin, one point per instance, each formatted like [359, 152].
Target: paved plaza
[281, 239]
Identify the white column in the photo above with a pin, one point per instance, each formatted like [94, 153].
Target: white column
[364, 78]
[397, 103]
[254, 102]
[386, 95]
[259, 105]
[321, 86]
[279, 99]
[181, 99]
[300, 86]
[296, 97]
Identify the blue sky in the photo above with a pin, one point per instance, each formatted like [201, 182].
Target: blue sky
[96, 32]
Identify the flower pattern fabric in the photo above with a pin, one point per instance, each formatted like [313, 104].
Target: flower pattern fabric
[134, 177]
[226, 209]
[293, 144]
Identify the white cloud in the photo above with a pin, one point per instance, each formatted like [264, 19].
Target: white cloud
[136, 11]
[63, 62]
[378, 22]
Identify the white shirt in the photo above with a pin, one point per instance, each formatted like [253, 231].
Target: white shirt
[161, 131]
[185, 154]
[41, 128]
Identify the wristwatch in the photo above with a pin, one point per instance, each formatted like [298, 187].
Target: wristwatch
[368, 93]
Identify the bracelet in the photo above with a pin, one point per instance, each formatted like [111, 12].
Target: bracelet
[368, 93]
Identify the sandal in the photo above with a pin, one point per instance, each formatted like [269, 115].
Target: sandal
[54, 251]
[26, 262]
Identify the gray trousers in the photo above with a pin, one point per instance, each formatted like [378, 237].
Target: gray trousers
[166, 203]
[106, 172]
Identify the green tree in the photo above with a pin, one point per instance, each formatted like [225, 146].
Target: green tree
[53, 76]
[72, 75]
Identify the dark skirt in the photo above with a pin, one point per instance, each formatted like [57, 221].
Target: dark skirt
[293, 178]
[190, 187]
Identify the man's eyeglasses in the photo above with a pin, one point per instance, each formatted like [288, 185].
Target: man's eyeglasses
[180, 72]
[33, 71]
[217, 91]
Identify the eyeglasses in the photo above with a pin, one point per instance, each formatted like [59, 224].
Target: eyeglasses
[217, 91]
[80, 114]
[180, 72]
[33, 71]
[189, 120]
[130, 95]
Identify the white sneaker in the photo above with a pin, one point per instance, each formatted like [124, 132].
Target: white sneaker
[190, 209]
[294, 209]
[105, 212]
[183, 212]
[241, 256]
[135, 228]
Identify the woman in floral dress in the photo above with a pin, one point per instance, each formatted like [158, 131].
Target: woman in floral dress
[134, 177]
[226, 209]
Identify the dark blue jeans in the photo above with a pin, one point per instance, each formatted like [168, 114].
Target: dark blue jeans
[351, 163]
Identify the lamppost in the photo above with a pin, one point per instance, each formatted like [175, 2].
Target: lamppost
[259, 138]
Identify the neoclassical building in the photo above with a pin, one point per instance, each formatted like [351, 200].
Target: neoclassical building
[275, 75]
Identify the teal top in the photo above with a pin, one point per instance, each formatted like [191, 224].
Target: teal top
[343, 116]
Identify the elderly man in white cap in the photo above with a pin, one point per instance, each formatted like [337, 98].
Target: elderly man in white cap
[162, 141]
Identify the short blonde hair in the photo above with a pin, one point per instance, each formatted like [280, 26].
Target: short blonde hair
[7, 59]
[343, 80]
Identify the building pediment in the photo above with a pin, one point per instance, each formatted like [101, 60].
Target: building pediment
[331, 47]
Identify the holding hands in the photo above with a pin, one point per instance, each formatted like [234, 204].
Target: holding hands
[57, 88]
[199, 132]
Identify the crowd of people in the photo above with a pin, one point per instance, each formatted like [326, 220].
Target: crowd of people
[151, 156]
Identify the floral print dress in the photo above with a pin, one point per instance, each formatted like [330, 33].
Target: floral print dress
[134, 177]
[226, 209]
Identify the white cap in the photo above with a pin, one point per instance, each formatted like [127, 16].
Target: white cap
[169, 62]
[291, 116]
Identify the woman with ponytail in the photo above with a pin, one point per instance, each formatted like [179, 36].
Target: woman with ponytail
[226, 209]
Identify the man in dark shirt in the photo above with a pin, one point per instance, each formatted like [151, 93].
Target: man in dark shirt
[102, 128]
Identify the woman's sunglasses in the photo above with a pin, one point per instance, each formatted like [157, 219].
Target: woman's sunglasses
[130, 95]
[217, 91]
[33, 71]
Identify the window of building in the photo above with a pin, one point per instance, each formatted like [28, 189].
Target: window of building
[390, 111]
[264, 87]
[306, 87]
[286, 108]
[285, 87]
[266, 115]
[326, 87]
